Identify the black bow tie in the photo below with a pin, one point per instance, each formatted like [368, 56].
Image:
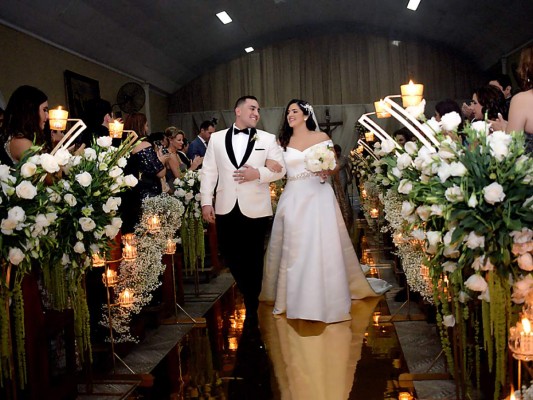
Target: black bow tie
[236, 131]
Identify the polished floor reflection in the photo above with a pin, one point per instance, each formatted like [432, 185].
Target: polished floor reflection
[284, 359]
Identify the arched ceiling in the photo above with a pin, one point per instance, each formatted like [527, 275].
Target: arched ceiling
[166, 43]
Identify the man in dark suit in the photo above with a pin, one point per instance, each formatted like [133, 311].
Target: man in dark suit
[199, 145]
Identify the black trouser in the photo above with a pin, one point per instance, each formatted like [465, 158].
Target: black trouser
[242, 244]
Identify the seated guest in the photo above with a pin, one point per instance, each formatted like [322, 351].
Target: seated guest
[503, 82]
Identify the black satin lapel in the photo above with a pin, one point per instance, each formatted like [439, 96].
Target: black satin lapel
[250, 147]
[229, 148]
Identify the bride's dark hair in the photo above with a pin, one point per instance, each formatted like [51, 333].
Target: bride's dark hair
[286, 130]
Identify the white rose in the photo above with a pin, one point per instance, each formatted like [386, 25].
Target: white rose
[418, 234]
[525, 262]
[405, 186]
[8, 226]
[407, 208]
[476, 283]
[396, 172]
[411, 148]
[434, 237]
[388, 146]
[493, 193]
[449, 266]
[482, 263]
[79, 248]
[450, 121]
[25, 190]
[65, 259]
[457, 169]
[418, 110]
[423, 212]
[84, 179]
[4, 172]
[130, 180]
[115, 172]
[523, 236]
[62, 156]
[451, 252]
[70, 199]
[448, 321]
[472, 201]
[499, 144]
[49, 163]
[28, 169]
[104, 141]
[122, 162]
[75, 160]
[444, 172]
[16, 213]
[87, 224]
[112, 204]
[111, 231]
[480, 127]
[116, 222]
[454, 194]
[404, 161]
[437, 209]
[188, 196]
[15, 255]
[463, 297]
[89, 154]
[473, 240]
[485, 296]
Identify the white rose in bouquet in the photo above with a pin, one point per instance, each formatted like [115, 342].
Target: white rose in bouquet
[84, 179]
[104, 141]
[476, 283]
[49, 163]
[493, 193]
[15, 255]
[320, 157]
[450, 121]
[28, 169]
[25, 190]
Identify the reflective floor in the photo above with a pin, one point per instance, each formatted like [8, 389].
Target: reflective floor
[285, 359]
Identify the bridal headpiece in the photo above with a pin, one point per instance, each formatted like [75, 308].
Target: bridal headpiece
[308, 107]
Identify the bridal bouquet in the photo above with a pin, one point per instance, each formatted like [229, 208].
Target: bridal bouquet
[320, 157]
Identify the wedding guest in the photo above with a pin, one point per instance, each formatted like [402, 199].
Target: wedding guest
[488, 100]
[24, 122]
[183, 153]
[175, 166]
[145, 163]
[199, 145]
[503, 82]
[402, 136]
[97, 118]
[311, 269]
[521, 110]
[234, 165]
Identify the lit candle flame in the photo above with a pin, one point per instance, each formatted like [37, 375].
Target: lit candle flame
[526, 325]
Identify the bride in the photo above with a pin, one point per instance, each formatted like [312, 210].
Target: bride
[311, 269]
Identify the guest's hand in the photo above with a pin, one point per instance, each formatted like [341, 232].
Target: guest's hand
[196, 162]
[246, 174]
[208, 212]
[498, 124]
[273, 165]
[468, 111]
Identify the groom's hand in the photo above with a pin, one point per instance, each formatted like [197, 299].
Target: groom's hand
[208, 212]
[246, 174]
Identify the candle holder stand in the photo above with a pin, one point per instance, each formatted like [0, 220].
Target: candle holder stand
[175, 319]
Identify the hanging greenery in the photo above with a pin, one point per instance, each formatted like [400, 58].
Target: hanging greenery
[192, 228]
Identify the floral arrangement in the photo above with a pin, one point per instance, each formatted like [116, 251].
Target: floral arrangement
[192, 228]
[471, 205]
[86, 200]
[27, 224]
[141, 276]
[320, 157]
[56, 209]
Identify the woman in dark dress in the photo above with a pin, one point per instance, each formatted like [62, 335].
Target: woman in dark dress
[148, 166]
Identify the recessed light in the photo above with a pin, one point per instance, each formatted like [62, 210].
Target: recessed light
[249, 49]
[224, 17]
[395, 42]
[413, 4]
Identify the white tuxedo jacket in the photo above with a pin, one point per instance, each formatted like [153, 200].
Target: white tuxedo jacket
[219, 165]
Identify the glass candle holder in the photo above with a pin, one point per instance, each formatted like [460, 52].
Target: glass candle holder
[110, 278]
[115, 129]
[171, 246]
[126, 299]
[58, 119]
[381, 109]
[129, 252]
[154, 224]
[98, 261]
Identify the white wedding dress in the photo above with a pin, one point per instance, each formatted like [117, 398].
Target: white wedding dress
[311, 269]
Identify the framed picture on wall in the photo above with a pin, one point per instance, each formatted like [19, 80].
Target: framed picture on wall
[79, 89]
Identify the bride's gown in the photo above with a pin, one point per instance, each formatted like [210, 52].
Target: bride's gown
[311, 269]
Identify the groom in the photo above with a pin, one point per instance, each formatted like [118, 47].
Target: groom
[234, 166]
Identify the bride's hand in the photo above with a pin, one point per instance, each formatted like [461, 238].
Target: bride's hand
[273, 165]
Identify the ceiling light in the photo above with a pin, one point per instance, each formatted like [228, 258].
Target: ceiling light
[413, 4]
[395, 42]
[224, 17]
[249, 49]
